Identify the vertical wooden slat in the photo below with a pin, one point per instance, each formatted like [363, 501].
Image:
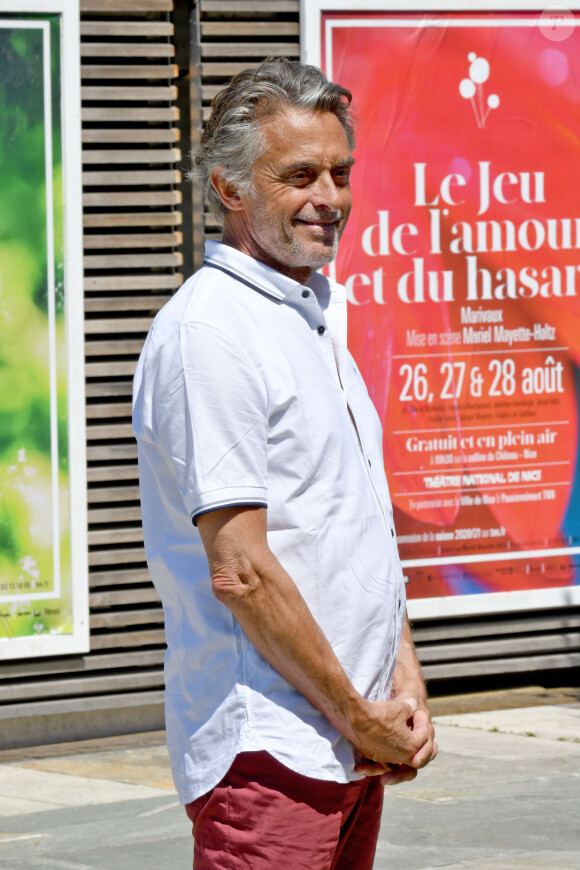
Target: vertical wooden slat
[132, 195]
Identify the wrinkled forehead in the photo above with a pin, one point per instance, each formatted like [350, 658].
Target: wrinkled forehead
[293, 134]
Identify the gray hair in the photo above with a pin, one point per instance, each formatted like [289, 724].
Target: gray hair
[232, 137]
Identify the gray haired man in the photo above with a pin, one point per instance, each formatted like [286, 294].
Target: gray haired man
[293, 693]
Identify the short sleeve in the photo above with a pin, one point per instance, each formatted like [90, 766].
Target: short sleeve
[210, 418]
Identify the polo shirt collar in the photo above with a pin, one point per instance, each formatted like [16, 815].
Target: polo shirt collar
[249, 271]
[262, 278]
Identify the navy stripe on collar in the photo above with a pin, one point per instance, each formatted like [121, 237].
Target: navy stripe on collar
[242, 280]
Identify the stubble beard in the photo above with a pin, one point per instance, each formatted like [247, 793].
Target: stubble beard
[311, 256]
[294, 252]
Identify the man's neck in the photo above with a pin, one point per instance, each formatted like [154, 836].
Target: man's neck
[249, 247]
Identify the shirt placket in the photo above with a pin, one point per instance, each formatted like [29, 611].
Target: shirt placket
[340, 356]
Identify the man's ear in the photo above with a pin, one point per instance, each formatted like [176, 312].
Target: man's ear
[226, 190]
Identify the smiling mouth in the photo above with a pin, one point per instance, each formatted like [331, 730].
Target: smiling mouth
[318, 224]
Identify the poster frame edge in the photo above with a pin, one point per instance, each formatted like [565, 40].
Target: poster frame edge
[310, 52]
[78, 641]
[310, 12]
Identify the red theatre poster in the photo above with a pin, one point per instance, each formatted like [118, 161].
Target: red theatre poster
[462, 266]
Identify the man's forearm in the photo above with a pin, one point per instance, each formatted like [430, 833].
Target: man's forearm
[408, 682]
[252, 583]
[408, 677]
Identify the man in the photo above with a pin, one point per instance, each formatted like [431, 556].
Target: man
[254, 425]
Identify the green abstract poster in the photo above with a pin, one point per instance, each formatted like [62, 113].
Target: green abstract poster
[38, 614]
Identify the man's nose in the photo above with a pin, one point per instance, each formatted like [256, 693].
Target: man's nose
[326, 193]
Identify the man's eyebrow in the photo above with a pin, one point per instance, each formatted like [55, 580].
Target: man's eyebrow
[346, 162]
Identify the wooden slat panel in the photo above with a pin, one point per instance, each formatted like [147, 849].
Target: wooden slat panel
[110, 370]
[120, 640]
[125, 303]
[118, 537]
[525, 624]
[89, 663]
[113, 347]
[125, 179]
[249, 28]
[108, 389]
[150, 115]
[208, 92]
[132, 243]
[127, 49]
[126, 28]
[112, 452]
[104, 474]
[135, 324]
[127, 618]
[122, 577]
[130, 71]
[73, 705]
[129, 94]
[108, 410]
[111, 619]
[138, 199]
[237, 7]
[106, 495]
[210, 223]
[145, 155]
[126, 261]
[225, 69]
[125, 556]
[528, 664]
[106, 432]
[110, 431]
[147, 134]
[249, 49]
[498, 648]
[133, 219]
[117, 598]
[133, 240]
[116, 6]
[135, 680]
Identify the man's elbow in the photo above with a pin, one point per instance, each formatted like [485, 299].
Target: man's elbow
[232, 587]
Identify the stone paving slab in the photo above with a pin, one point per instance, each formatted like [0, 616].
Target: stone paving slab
[490, 801]
[134, 765]
[41, 790]
[470, 741]
[494, 799]
[531, 861]
[145, 834]
[561, 723]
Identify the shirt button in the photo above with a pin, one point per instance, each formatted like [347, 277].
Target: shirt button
[321, 330]
[305, 294]
[370, 463]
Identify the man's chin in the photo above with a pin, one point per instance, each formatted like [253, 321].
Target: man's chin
[317, 256]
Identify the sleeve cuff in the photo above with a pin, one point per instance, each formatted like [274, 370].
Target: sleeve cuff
[225, 498]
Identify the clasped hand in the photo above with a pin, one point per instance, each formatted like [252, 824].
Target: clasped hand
[396, 740]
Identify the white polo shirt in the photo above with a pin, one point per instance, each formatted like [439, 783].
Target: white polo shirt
[245, 394]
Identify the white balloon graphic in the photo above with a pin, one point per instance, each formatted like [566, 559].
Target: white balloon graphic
[493, 101]
[479, 70]
[466, 89]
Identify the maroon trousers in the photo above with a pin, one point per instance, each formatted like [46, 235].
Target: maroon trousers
[263, 816]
